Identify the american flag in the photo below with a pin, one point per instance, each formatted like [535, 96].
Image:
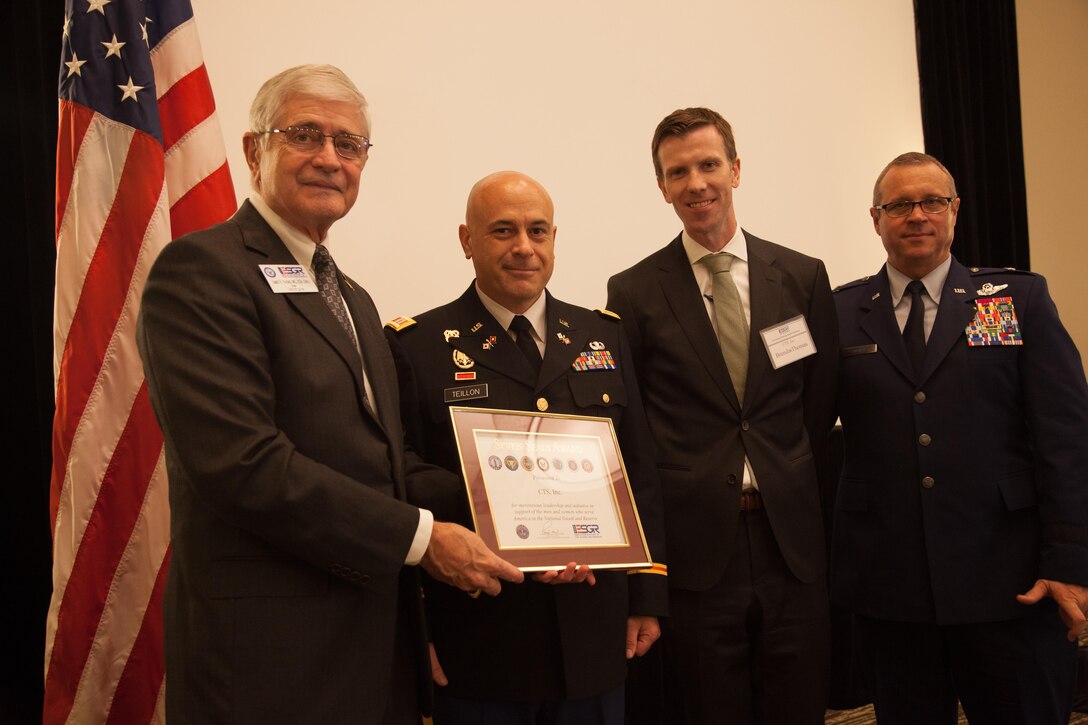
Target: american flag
[140, 161]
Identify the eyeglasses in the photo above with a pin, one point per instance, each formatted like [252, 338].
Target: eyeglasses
[932, 205]
[347, 145]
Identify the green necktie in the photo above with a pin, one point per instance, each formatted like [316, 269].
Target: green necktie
[729, 319]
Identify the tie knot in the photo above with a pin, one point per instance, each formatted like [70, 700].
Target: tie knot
[520, 324]
[719, 262]
[322, 258]
[915, 288]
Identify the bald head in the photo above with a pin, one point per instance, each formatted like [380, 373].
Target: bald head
[510, 237]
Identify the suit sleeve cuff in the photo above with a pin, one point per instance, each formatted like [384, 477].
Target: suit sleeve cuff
[422, 538]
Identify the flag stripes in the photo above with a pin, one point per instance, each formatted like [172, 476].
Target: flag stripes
[140, 161]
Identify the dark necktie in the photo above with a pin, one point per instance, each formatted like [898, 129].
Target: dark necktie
[329, 287]
[914, 332]
[525, 341]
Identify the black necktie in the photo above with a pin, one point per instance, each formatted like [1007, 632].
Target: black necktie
[525, 341]
[914, 332]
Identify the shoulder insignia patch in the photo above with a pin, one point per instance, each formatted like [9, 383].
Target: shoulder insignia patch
[607, 313]
[855, 283]
[976, 271]
[398, 324]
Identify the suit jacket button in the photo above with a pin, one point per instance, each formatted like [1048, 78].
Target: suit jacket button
[542, 404]
[744, 425]
[927, 482]
[919, 397]
[732, 479]
[605, 398]
[924, 439]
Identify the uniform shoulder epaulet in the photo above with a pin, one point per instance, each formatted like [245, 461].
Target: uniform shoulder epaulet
[400, 324]
[607, 313]
[855, 283]
[977, 271]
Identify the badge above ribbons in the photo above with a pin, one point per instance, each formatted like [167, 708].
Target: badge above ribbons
[594, 360]
[995, 323]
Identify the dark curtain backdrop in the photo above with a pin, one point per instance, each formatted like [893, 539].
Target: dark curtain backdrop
[970, 88]
[971, 121]
[31, 55]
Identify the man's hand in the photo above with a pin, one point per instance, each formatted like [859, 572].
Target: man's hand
[437, 673]
[642, 632]
[1072, 602]
[460, 558]
[573, 574]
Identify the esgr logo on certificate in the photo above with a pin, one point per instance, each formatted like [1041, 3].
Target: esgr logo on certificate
[583, 531]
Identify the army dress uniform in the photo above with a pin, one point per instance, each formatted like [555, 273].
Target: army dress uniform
[534, 642]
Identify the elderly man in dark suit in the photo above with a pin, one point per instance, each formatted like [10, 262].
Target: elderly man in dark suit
[961, 523]
[535, 654]
[734, 341]
[291, 596]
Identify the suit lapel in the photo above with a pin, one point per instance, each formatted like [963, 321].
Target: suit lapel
[379, 367]
[261, 239]
[560, 355]
[878, 321]
[684, 298]
[955, 312]
[501, 355]
[765, 296]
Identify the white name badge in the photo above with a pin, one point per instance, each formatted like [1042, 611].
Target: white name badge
[788, 341]
[285, 279]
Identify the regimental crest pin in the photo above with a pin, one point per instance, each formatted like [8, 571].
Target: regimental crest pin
[447, 334]
[989, 289]
[462, 360]
[596, 345]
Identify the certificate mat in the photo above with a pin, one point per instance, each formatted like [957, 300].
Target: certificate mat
[548, 489]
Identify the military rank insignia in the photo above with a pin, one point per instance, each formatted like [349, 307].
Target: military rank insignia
[594, 360]
[995, 323]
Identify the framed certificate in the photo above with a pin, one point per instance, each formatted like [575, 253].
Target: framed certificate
[549, 489]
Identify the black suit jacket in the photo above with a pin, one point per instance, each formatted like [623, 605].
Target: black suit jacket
[534, 641]
[700, 431]
[966, 482]
[289, 527]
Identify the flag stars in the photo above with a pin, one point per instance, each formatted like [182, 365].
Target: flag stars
[98, 5]
[67, 25]
[143, 30]
[113, 47]
[74, 65]
[129, 91]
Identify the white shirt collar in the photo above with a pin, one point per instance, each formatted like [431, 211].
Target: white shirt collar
[933, 282]
[737, 246]
[536, 314]
[297, 242]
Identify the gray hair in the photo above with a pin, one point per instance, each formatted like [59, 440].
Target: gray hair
[911, 158]
[326, 82]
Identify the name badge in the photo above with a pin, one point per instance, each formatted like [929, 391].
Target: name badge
[788, 341]
[465, 392]
[286, 279]
[858, 350]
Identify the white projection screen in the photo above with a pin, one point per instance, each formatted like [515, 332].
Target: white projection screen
[820, 96]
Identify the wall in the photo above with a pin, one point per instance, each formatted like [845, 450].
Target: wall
[1054, 106]
[821, 96]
